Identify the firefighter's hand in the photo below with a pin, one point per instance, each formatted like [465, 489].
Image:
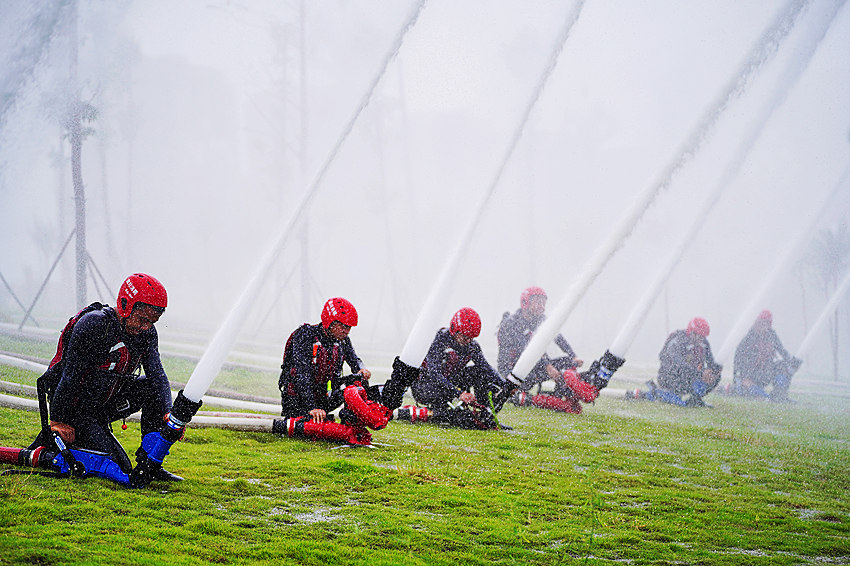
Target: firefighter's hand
[467, 397]
[553, 372]
[318, 415]
[578, 362]
[711, 377]
[65, 432]
[365, 373]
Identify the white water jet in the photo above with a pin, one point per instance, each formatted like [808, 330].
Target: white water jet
[428, 321]
[764, 50]
[790, 76]
[791, 252]
[211, 361]
[254, 423]
[830, 307]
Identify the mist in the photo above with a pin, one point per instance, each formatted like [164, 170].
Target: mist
[214, 118]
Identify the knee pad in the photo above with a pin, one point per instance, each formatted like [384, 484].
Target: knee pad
[372, 414]
[582, 389]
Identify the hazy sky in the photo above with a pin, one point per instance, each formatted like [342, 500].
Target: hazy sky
[213, 121]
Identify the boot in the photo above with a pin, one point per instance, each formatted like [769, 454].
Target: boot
[464, 417]
[600, 371]
[781, 383]
[500, 393]
[158, 473]
[694, 401]
[401, 378]
[164, 475]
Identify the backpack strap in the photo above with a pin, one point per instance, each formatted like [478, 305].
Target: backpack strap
[41, 391]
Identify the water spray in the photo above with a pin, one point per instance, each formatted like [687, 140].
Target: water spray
[790, 76]
[830, 307]
[791, 252]
[764, 50]
[422, 333]
[188, 400]
[213, 358]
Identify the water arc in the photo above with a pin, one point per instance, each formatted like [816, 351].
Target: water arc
[416, 345]
[213, 357]
[764, 50]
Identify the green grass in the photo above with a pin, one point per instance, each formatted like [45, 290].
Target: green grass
[624, 483]
[37, 348]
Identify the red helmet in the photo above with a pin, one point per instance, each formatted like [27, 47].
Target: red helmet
[340, 310]
[698, 326]
[531, 292]
[766, 315]
[140, 288]
[467, 322]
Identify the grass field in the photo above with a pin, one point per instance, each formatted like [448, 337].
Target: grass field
[624, 483]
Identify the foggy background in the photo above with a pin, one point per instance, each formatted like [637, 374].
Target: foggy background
[213, 117]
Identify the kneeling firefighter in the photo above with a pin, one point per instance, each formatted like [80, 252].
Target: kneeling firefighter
[456, 385]
[312, 385]
[95, 379]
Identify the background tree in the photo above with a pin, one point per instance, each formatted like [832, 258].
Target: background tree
[829, 260]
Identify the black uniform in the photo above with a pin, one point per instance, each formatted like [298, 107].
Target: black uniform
[98, 380]
[446, 373]
[761, 358]
[515, 333]
[311, 372]
[683, 360]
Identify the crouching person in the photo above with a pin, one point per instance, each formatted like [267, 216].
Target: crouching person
[312, 384]
[761, 361]
[95, 377]
[456, 385]
[516, 331]
[688, 371]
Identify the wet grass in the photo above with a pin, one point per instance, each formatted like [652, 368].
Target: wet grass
[633, 483]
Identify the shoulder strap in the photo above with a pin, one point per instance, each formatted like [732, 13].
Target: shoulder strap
[48, 381]
[66, 332]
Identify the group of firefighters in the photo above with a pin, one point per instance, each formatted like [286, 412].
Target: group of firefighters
[107, 367]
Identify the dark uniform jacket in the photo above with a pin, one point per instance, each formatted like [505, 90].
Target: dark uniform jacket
[445, 373]
[311, 372]
[757, 354]
[515, 333]
[98, 366]
[683, 361]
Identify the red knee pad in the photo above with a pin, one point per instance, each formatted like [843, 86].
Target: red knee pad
[583, 390]
[374, 415]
